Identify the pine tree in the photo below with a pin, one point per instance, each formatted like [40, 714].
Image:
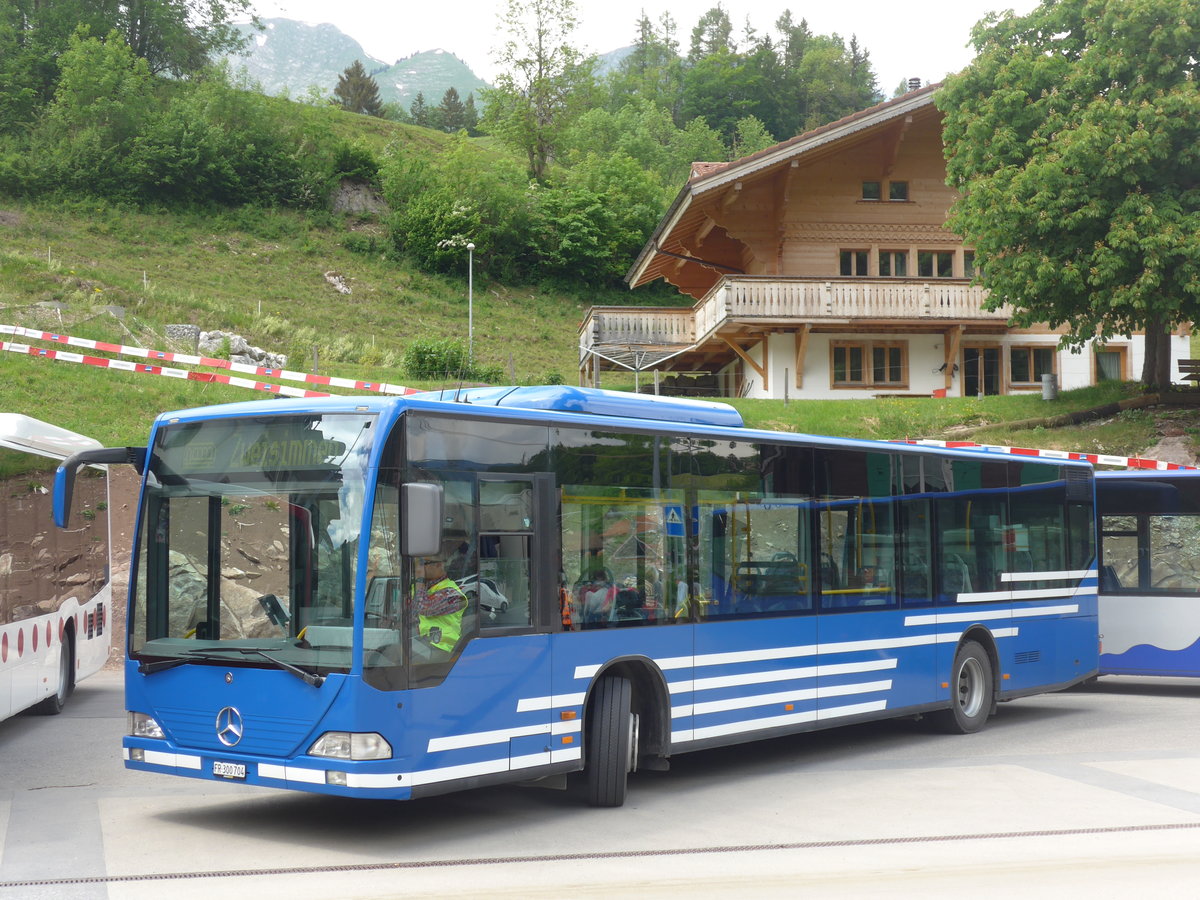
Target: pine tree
[419, 111]
[357, 91]
[453, 112]
[470, 116]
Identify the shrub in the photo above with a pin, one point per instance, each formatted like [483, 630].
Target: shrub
[354, 161]
[432, 358]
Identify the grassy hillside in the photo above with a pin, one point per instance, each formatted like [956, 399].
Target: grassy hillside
[262, 274]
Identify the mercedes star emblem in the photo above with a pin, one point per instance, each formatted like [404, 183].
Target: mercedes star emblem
[229, 726]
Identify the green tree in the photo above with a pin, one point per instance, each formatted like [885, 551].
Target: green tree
[750, 136]
[452, 112]
[470, 116]
[713, 34]
[464, 194]
[173, 37]
[653, 69]
[103, 101]
[419, 111]
[357, 92]
[179, 37]
[644, 132]
[589, 225]
[723, 88]
[545, 82]
[1074, 142]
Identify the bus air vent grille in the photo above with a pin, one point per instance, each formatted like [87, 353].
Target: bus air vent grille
[269, 735]
[1028, 656]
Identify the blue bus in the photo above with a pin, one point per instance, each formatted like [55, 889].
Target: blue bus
[401, 597]
[1150, 572]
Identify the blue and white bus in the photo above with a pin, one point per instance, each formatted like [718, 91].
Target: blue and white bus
[55, 592]
[640, 578]
[1150, 572]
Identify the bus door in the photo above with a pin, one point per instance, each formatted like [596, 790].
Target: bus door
[874, 654]
[512, 590]
[755, 662]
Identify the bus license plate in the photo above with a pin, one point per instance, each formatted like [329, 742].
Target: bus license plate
[229, 770]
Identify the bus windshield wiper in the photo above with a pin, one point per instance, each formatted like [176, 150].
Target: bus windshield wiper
[209, 654]
[159, 665]
[307, 677]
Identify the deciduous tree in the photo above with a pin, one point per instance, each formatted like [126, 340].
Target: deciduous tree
[545, 81]
[1074, 141]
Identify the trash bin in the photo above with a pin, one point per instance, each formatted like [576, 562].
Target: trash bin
[1050, 387]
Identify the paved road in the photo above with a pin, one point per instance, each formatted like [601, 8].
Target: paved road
[1083, 794]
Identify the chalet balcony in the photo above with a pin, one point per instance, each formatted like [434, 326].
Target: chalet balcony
[742, 302]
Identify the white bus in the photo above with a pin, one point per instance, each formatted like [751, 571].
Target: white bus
[55, 593]
[1150, 573]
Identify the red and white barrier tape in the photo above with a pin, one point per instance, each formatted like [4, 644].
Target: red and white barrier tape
[210, 362]
[1096, 459]
[104, 362]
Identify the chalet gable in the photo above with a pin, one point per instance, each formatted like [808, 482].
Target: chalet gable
[740, 217]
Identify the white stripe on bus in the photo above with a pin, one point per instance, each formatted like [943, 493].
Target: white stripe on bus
[535, 704]
[772, 675]
[1032, 594]
[698, 734]
[172, 760]
[1073, 574]
[771, 653]
[756, 700]
[991, 615]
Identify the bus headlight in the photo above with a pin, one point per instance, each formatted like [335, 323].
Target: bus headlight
[144, 726]
[351, 745]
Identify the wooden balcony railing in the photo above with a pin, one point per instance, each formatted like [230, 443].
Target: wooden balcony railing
[790, 300]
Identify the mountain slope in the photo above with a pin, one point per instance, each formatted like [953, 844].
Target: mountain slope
[292, 57]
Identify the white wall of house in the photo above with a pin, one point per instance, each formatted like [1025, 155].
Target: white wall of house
[924, 355]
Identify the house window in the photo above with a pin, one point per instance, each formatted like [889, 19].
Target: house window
[848, 364]
[854, 262]
[897, 190]
[888, 364]
[1027, 365]
[893, 263]
[935, 263]
[968, 263]
[871, 190]
[1110, 365]
[870, 364]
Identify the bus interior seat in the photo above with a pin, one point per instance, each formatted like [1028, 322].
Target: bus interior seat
[1109, 581]
[913, 584]
[956, 577]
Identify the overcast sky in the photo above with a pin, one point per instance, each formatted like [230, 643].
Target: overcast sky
[905, 40]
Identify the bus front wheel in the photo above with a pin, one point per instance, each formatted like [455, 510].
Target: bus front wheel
[611, 735]
[971, 687]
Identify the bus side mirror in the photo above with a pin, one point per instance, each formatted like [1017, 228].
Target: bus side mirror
[64, 475]
[423, 511]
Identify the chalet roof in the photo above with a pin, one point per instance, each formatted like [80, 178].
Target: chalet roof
[707, 177]
[701, 169]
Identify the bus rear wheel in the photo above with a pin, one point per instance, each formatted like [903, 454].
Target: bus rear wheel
[54, 704]
[611, 736]
[971, 688]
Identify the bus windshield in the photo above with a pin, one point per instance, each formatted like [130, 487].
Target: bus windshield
[249, 538]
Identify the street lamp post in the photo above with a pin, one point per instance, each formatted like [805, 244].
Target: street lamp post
[470, 303]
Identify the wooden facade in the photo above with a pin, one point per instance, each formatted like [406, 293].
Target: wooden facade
[823, 267]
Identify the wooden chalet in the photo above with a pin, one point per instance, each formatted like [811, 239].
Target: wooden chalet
[823, 267]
